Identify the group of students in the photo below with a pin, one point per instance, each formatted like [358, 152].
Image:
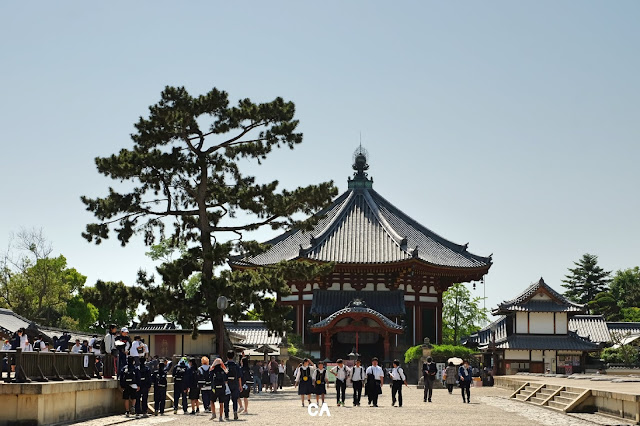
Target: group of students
[452, 375]
[226, 383]
[311, 379]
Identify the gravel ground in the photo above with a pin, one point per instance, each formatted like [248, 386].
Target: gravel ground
[489, 406]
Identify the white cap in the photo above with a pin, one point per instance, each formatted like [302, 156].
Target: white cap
[124, 330]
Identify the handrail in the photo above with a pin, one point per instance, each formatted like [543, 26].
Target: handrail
[45, 366]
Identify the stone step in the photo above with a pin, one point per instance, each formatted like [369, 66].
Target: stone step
[537, 400]
[530, 388]
[521, 397]
[572, 395]
[557, 405]
[563, 400]
[546, 391]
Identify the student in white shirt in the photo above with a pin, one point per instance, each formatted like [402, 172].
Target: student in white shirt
[136, 349]
[77, 348]
[398, 379]
[357, 379]
[375, 380]
[282, 368]
[320, 381]
[304, 380]
[341, 372]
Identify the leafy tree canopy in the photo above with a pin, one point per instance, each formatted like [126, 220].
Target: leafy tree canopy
[606, 305]
[586, 280]
[625, 287]
[462, 314]
[116, 303]
[187, 170]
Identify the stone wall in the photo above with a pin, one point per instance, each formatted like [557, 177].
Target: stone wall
[55, 402]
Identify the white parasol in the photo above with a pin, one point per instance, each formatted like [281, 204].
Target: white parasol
[455, 360]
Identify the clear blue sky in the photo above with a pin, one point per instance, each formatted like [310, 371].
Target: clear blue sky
[509, 125]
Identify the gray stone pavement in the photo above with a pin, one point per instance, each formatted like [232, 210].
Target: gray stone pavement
[489, 406]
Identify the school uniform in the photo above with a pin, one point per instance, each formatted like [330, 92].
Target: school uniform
[304, 380]
[191, 383]
[281, 370]
[398, 378]
[159, 379]
[341, 373]
[142, 403]
[320, 382]
[179, 386]
[204, 383]
[374, 383]
[357, 378]
[247, 381]
[234, 376]
[218, 381]
[130, 381]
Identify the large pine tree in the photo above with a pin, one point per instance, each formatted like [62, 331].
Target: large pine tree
[586, 280]
[185, 182]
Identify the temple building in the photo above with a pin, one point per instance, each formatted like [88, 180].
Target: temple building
[385, 292]
[540, 331]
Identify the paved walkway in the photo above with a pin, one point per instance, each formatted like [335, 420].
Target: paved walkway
[489, 406]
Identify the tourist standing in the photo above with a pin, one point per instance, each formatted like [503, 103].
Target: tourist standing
[398, 379]
[304, 380]
[204, 381]
[282, 369]
[375, 380]
[234, 381]
[451, 377]
[341, 372]
[247, 382]
[266, 380]
[159, 378]
[123, 343]
[136, 349]
[77, 348]
[429, 372]
[179, 388]
[257, 377]
[130, 383]
[357, 379]
[110, 346]
[464, 375]
[320, 381]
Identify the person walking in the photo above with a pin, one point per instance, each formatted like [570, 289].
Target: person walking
[304, 380]
[398, 379]
[282, 369]
[357, 379]
[234, 382]
[273, 374]
[204, 382]
[464, 375]
[341, 372]
[219, 383]
[320, 381]
[429, 372]
[247, 382]
[375, 381]
[159, 379]
[451, 376]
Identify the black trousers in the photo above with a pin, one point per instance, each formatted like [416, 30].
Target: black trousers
[142, 401]
[396, 388]
[159, 399]
[206, 399]
[465, 388]
[341, 387]
[233, 398]
[357, 392]
[280, 380]
[373, 391]
[178, 394]
[428, 388]
[450, 388]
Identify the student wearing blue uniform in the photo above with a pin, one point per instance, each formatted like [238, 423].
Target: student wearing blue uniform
[130, 383]
[304, 380]
[320, 381]
[234, 380]
[142, 403]
[219, 385]
[159, 379]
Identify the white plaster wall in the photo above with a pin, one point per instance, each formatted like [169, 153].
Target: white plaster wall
[536, 356]
[541, 323]
[521, 322]
[516, 355]
[561, 323]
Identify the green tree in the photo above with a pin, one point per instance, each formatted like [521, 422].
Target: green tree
[33, 283]
[462, 314]
[86, 314]
[606, 305]
[185, 171]
[631, 314]
[115, 301]
[586, 280]
[625, 287]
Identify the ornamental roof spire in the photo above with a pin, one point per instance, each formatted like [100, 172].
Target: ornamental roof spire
[360, 165]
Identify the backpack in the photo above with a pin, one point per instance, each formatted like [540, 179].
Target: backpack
[102, 347]
[203, 377]
[178, 373]
[218, 378]
[161, 380]
[232, 375]
[247, 376]
[129, 375]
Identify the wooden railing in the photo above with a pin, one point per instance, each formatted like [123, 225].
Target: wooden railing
[45, 366]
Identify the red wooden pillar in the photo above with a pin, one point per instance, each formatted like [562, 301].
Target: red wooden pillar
[386, 346]
[418, 320]
[327, 345]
